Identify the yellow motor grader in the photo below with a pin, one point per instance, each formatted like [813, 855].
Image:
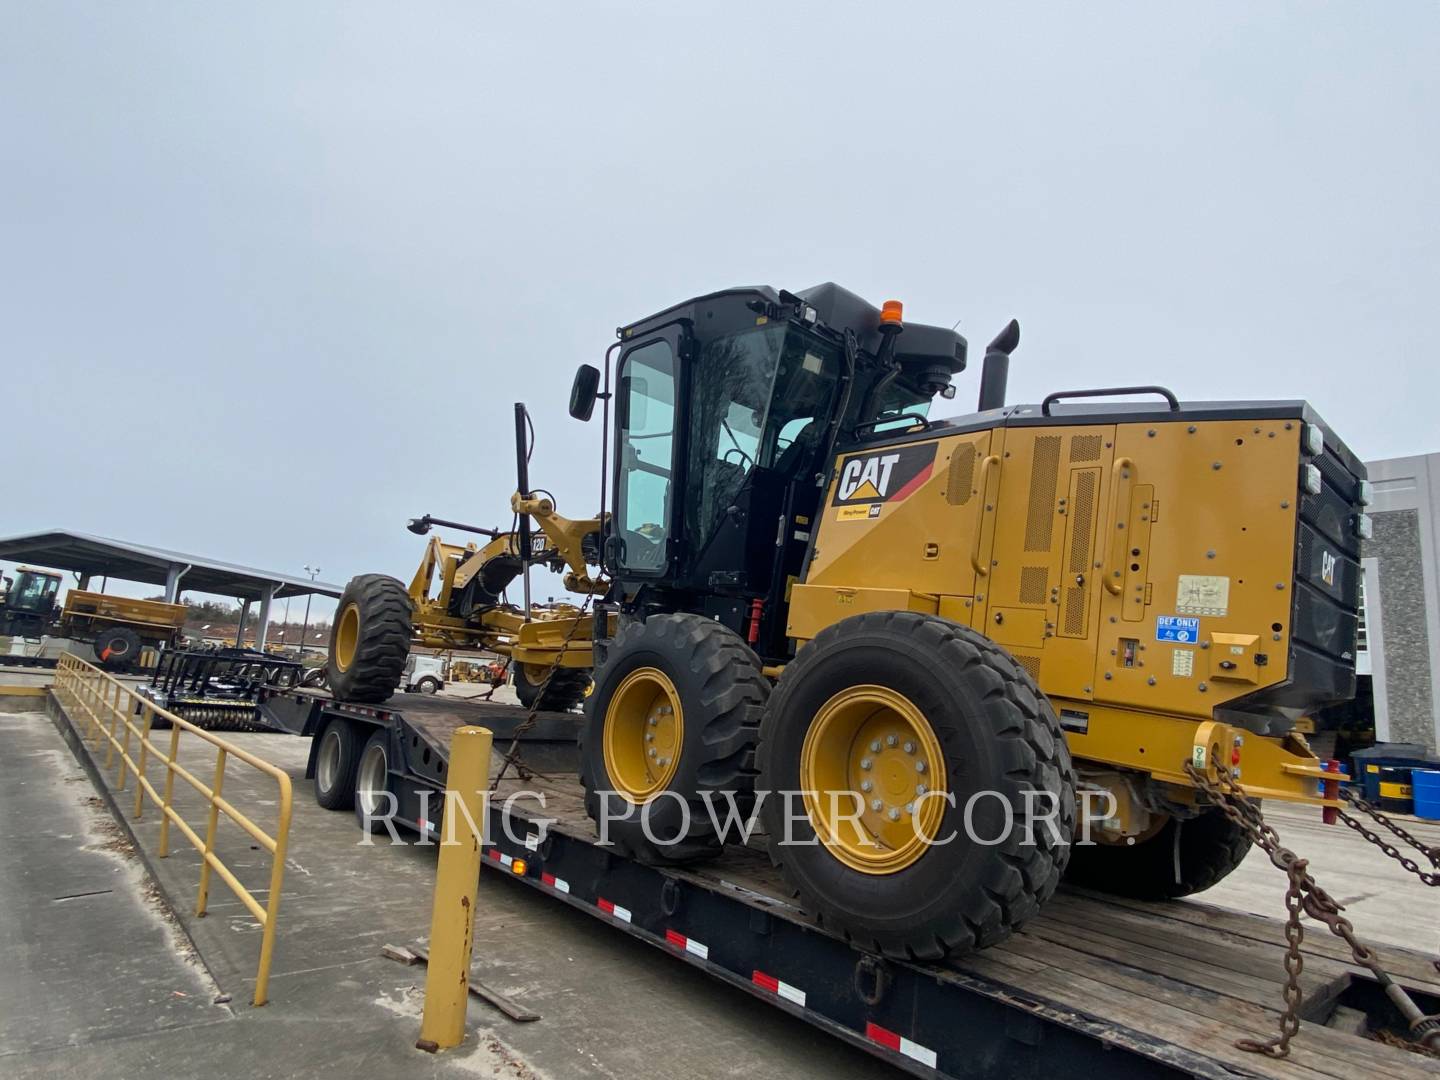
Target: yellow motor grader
[457, 600]
[917, 647]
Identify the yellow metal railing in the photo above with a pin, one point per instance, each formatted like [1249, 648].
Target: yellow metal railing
[109, 711]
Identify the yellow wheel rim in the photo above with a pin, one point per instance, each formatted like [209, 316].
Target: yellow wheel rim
[873, 779]
[347, 636]
[644, 731]
[535, 673]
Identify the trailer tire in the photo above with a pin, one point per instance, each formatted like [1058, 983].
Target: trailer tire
[117, 648]
[565, 690]
[1182, 858]
[711, 683]
[876, 706]
[337, 757]
[375, 803]
[369, 640]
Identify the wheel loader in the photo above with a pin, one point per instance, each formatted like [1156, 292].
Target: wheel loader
[920, 650]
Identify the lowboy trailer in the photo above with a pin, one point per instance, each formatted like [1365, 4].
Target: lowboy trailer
[1096, 986]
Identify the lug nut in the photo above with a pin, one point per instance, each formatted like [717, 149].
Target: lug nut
[909, 808]
[891, 740]
[653, 753]
[877, 806]
[865, 763]
[653, 721]
[866, 785]
[909, 747]
[875, 746]
[663, 762]
[893, 815]
[919, 766]
[921, 789]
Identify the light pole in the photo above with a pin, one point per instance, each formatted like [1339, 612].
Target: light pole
[314, 572]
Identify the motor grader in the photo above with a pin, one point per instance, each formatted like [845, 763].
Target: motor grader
[457, 600]
[919, 649]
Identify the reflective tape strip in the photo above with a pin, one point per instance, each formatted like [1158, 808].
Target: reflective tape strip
[690, 945]
[623, 914]
[558, 884]
[500, 857]
[901, 1045]
[775, 986]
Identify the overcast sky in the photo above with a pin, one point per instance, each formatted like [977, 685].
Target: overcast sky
[272, 274]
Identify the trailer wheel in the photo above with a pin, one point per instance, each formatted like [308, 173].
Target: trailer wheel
[374, 801]
[921, 749]
[673, 719]
[1183, 857]
[337, 756]
[369, 640]
[566, 689]
[117, 648]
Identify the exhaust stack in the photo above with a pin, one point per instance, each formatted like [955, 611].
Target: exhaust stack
[996, 372]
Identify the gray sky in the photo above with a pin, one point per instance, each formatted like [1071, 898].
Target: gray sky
[272, 274]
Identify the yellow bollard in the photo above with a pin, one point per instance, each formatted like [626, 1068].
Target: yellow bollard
[457, 875]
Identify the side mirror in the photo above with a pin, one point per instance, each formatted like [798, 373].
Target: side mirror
[583, 391]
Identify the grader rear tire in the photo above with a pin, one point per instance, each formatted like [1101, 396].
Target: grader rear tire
[563, 692]
[940, 748]
[369, 640]
[697, 691]
[1183, 857]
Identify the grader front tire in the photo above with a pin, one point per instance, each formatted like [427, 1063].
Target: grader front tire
[369, 640]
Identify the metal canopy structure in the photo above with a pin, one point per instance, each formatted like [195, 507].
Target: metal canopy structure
[175, 571]
[60, 549]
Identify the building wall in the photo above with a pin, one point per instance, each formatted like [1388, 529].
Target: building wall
[1406, 516]
[1405, 648]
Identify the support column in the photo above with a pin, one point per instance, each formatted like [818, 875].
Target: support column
[240, 631]
[172, 582]
[266, 596]
[83, 584]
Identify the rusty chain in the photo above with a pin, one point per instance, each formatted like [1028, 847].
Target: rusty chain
[512, 755]
[1304, 896]
[1432, 855]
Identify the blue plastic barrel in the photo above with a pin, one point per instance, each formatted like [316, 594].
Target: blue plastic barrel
[1426, 784]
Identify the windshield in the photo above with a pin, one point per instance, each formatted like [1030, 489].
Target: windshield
[33, 591]
[758, 398]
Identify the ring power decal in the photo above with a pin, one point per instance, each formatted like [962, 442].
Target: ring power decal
[881, 476]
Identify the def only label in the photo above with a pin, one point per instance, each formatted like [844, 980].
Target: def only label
[1177, 628]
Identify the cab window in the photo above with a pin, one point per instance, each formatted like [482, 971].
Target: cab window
[646, 413]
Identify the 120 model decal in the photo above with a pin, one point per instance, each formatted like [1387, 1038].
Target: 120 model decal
[883, 476]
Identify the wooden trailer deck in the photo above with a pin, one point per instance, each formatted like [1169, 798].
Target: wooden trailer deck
[1178, 982]
[1173, 984]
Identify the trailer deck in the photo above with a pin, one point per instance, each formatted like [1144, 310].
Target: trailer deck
[1097, 985]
